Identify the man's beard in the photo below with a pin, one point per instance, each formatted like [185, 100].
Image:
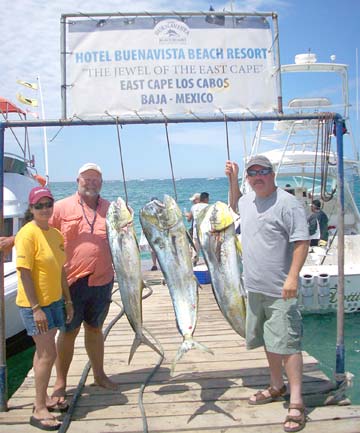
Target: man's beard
[89, 193]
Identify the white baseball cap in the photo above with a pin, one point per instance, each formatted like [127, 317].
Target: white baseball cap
[195, 196]
[89, 166]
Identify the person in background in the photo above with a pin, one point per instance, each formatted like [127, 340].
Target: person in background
[90, 275]
[194, 212]
[318, 222]
[288, 188]
[274, 236]
[145, 247]
[195, 198]
[42, 293]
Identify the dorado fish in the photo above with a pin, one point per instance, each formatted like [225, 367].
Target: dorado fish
[127, 264]
[222, 253]
[163, 226]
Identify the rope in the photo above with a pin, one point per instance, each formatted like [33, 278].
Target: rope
[339, 397]
[169, 152]
[147, 381]
[121, 154]
[316, 157]
[67, 418]
[227, 135]
[323, 140]
[325, 160]
[121, 159]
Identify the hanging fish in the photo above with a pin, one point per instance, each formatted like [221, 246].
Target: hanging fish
[165, 231]
[222, 252]
[127, 263]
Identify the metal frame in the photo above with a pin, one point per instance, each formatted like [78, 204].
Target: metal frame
[340, 348]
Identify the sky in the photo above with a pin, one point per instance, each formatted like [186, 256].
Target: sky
[31, 48]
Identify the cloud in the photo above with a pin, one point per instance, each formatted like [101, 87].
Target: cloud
[31, 41]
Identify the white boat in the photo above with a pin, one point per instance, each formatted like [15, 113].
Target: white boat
[19, 178]
[305, 161]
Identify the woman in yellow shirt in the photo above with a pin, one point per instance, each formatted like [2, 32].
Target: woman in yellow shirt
[42, 293]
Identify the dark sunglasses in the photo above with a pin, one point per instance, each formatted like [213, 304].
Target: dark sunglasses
[46, 205]
[262, 172]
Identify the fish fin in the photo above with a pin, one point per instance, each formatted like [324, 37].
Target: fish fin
[238, 244]
[187, 345]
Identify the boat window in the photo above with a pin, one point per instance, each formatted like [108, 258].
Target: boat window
[8, 231]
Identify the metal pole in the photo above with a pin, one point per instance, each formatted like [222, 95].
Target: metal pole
[277, 62]
[151, 119]
[63, 65]
[340, 347]
[44, 130]
[3, 372]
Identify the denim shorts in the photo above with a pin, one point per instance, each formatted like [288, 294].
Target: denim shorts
[55, 314]
[275, 323]
[91, 303]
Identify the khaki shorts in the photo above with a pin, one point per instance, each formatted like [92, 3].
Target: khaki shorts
[274, 323]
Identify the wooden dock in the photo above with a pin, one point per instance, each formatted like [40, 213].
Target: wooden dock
[208, 393]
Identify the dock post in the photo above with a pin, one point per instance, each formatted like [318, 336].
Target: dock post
[340, 347]
[3, 368]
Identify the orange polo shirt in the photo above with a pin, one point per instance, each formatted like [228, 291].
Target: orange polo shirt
[87, 253]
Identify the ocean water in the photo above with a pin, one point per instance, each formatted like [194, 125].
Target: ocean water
[319, 330]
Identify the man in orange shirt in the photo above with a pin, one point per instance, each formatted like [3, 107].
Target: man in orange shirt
[81, 220]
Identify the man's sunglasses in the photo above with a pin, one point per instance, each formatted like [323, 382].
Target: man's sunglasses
[262, 172]
[46, 205]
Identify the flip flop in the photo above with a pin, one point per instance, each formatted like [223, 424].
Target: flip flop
[39, 423]
[61, 406]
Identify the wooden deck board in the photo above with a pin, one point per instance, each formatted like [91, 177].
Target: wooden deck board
[207, 394]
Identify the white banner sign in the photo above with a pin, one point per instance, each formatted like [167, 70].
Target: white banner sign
[142, 66]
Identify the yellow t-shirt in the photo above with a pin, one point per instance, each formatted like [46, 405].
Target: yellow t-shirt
[42, 252]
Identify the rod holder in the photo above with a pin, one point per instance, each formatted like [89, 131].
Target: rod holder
[323, 281]
[307, 289]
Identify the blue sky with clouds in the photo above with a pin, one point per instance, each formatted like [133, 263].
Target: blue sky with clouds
[31, 45]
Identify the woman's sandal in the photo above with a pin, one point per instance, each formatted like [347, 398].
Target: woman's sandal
[275, 394]
[43, 423]
[300, 420]
[62, 406]
[48, 424]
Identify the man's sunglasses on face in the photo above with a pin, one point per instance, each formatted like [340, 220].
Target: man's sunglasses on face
[261, 172]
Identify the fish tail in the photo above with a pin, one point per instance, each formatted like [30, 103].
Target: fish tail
[187, 345]
[149, 343]
[137, 342]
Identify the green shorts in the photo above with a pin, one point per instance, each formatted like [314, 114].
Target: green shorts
[274, 323]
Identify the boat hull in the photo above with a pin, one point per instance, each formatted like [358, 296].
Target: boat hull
[319, 289]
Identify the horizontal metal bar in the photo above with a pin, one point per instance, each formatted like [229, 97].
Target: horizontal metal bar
[170, 13]
[189, 118]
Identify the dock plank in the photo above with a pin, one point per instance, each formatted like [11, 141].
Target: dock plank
[208, 393]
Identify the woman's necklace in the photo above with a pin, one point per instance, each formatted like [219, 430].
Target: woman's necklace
[92, 223]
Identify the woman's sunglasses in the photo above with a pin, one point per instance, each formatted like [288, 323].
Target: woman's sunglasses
[47, 205]
[262, 172]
